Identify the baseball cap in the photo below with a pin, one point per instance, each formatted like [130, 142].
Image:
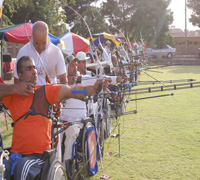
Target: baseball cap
[81, 56]
[69, 59]
[108, 42]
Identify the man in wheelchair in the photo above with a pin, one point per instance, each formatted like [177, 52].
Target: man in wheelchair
[73, 110]
[30, 107]
[76, 109]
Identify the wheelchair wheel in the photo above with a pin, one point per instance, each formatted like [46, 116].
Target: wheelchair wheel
[107, 120]
[56, 171]
[89, 150]
[123, 107]
[136, 76]
[101, 135]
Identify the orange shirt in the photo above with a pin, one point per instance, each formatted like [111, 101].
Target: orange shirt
[32, 134]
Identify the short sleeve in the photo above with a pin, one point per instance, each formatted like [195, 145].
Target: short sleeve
[61, 69]
[15, 70]
[7, 101]
[51, 92]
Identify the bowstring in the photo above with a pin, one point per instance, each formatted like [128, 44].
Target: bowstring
[99, 76]
[47, 80]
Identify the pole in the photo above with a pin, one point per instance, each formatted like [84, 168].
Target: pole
[186, 27]
[1, 59]
[1, 43]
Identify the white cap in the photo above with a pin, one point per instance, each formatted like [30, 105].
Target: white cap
[108, 42]
[69, 59]
[81, 56]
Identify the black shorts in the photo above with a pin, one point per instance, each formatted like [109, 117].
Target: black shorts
[27, 168]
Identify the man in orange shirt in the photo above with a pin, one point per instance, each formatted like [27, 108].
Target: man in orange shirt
[30, 107]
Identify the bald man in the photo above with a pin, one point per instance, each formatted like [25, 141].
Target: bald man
[48, 58]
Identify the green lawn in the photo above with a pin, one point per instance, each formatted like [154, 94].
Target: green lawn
[161, 141]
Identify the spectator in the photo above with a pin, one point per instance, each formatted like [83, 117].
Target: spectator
[40, 49]
[106, 52]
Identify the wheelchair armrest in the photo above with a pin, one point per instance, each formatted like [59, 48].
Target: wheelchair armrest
[49, 152]
[7, 148]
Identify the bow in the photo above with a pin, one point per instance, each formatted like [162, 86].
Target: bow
[56, 107]
[98, 115]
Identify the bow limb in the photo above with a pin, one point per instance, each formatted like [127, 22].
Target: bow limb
[125, 39]
[90, 34]
[98, 115]
[113, 38]
[109, 57]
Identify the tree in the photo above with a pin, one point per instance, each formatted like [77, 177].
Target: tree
[147, 19]
[91, 15]
[151, 21]
[50, 11]
[194, 5]
[119, 13]
[9, 8]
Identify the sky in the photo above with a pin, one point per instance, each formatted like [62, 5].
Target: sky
[178, 7]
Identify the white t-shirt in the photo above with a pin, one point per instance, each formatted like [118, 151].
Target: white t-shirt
[75, 109]
[106, 54]
[52, 58]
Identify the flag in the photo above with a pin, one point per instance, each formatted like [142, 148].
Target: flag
[62, 43]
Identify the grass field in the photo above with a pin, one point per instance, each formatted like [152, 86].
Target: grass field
[161, 141]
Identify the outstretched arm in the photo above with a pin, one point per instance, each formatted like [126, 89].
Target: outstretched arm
[21, 88]
[68, 91]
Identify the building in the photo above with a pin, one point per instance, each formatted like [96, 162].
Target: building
[186, 44]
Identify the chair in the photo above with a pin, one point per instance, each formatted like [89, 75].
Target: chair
[53, 169]
[85, 151]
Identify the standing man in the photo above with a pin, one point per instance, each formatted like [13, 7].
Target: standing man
[124, 52]
[106, 52]
[48, 58]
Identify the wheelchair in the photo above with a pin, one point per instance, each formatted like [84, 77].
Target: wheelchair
[52, 169]
[85, 151]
